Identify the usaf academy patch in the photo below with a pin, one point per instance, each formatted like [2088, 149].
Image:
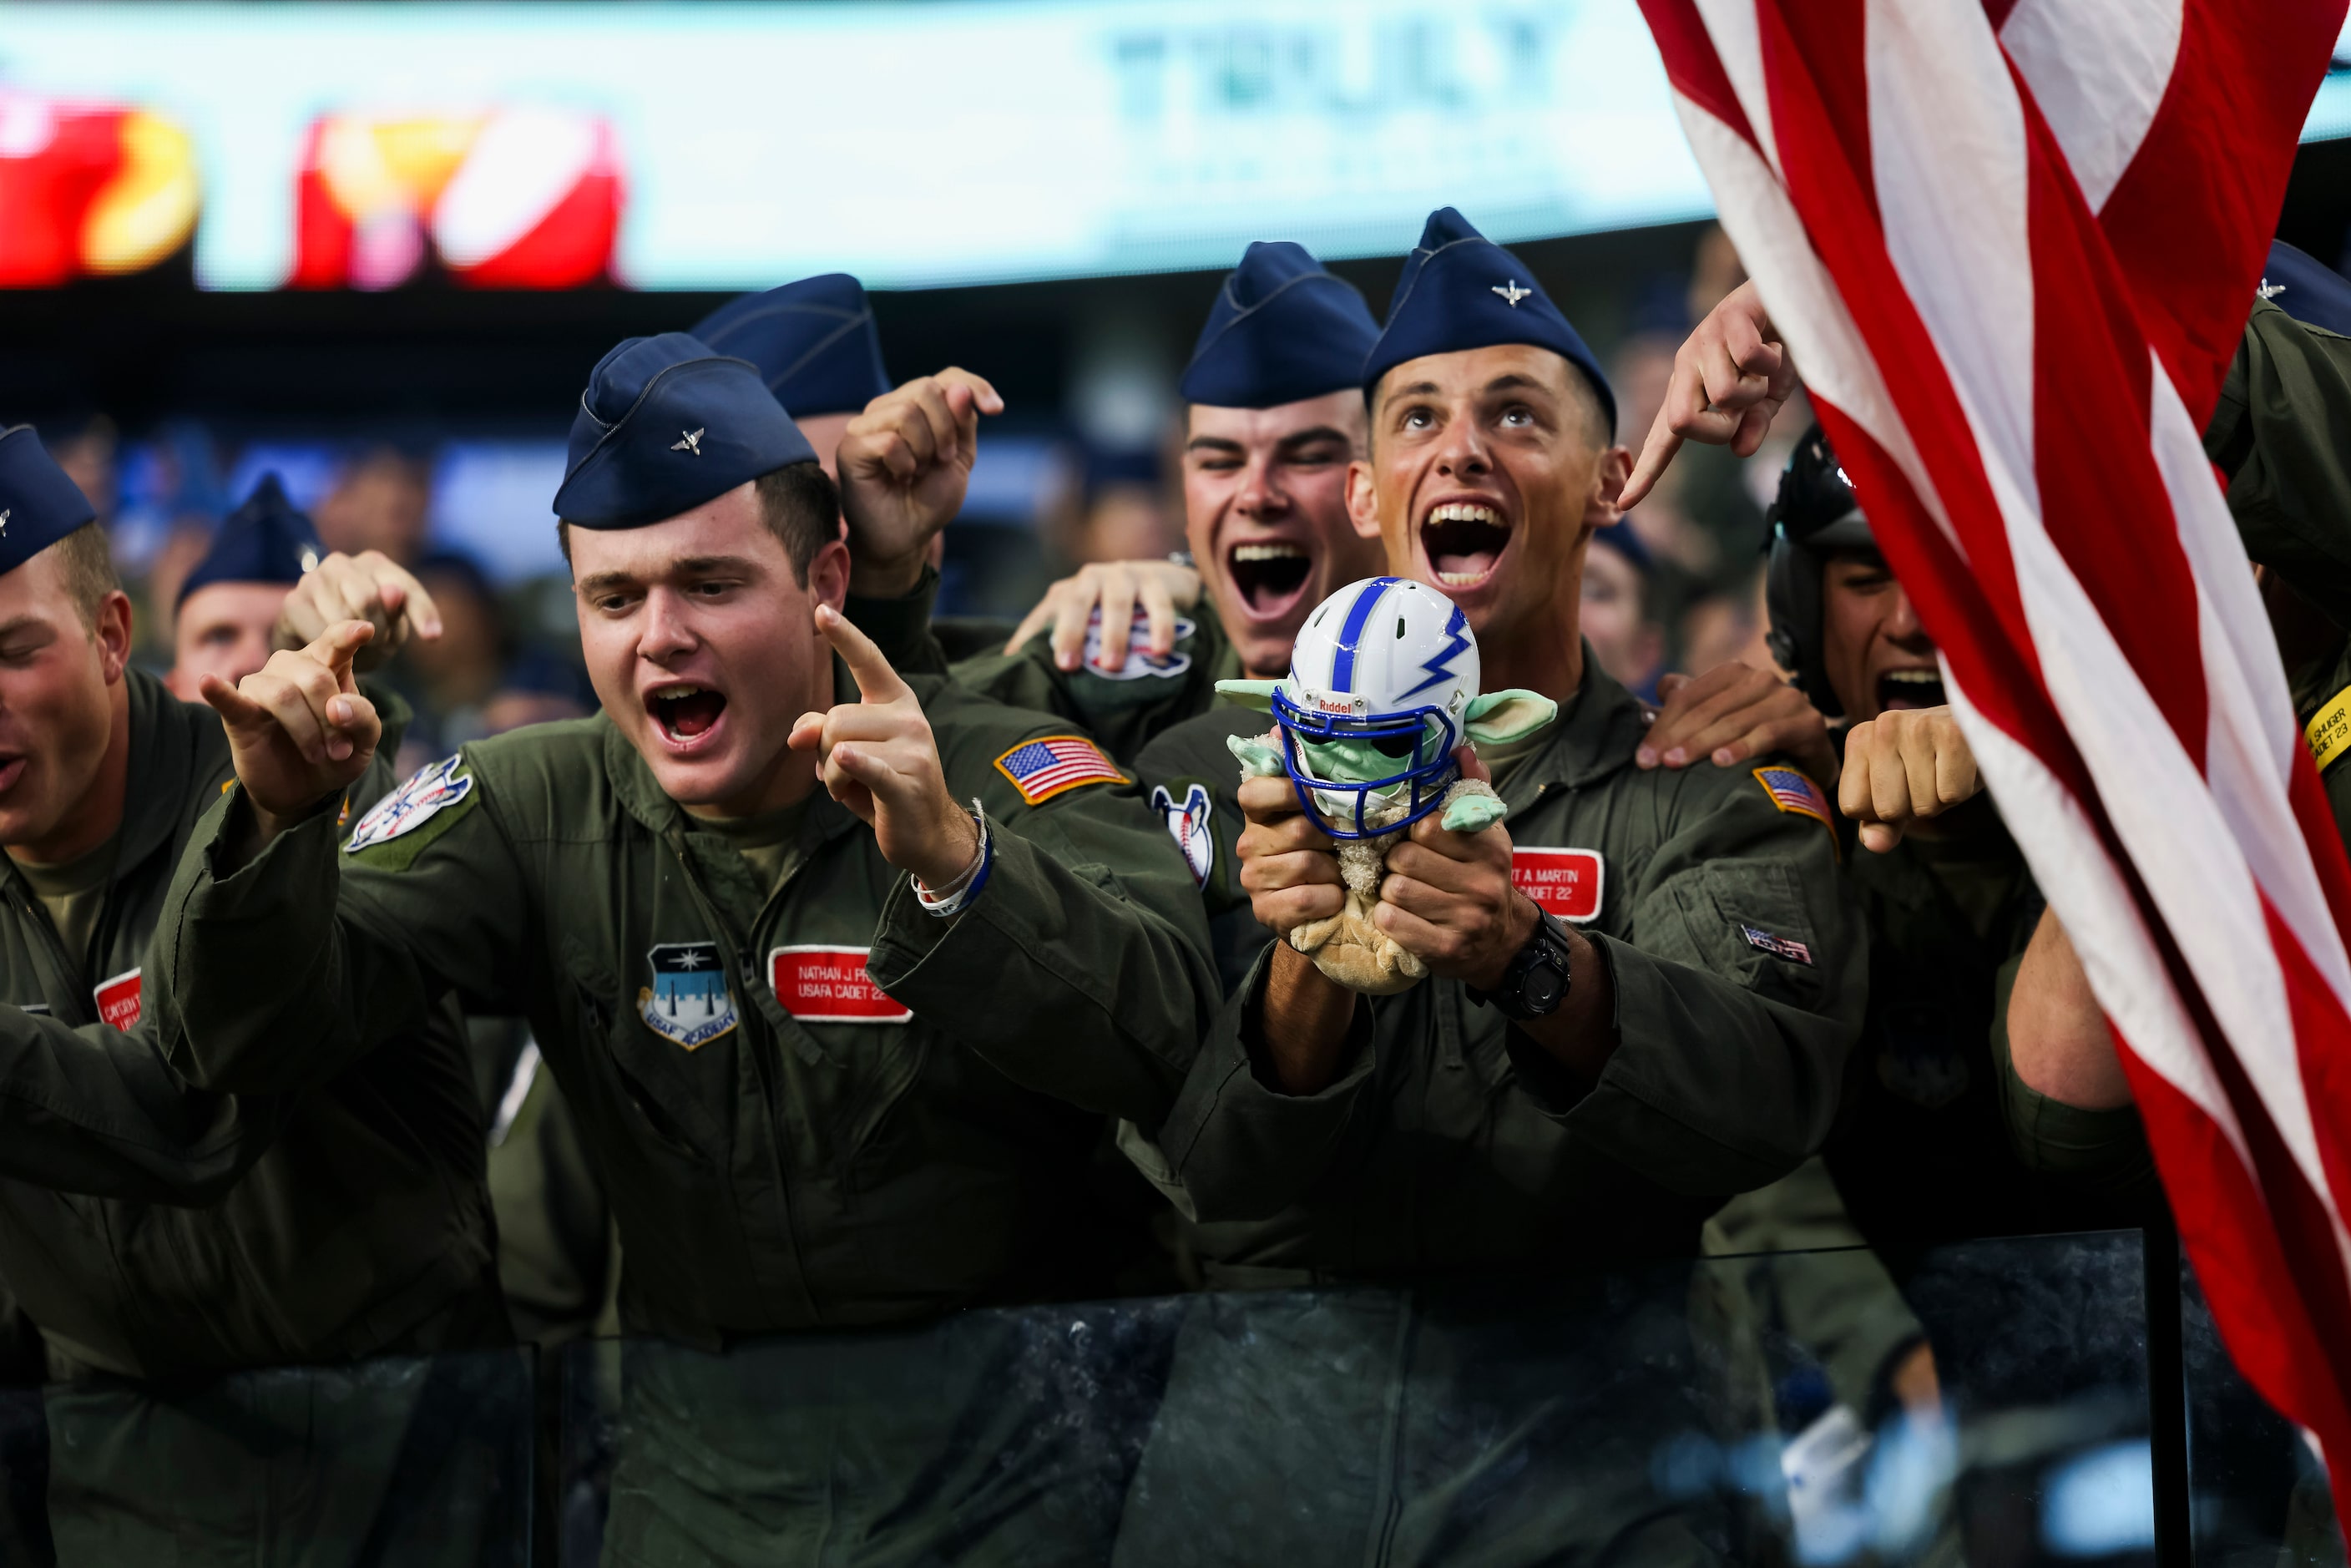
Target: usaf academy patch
[688, 1003]
[431, 790]
[1187, 824]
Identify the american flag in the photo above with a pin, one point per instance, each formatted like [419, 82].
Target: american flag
[1043, 767]
[2012, 247]
[1793, 791]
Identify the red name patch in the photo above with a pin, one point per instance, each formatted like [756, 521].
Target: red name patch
[1566, 883]
[118, 999]
[830, 985]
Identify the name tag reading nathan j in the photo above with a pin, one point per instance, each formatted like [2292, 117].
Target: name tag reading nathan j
[1566, 883]
[830, 985]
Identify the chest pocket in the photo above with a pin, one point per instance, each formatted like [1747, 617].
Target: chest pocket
[1748, 926]
[852, 1052]
[659, 1092]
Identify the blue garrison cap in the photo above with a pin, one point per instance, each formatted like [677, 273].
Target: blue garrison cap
[2307, 289]
[1283, 331]
[812, 341]
[665, 425]
[1461, 290]
[38, 504]
[264, 540]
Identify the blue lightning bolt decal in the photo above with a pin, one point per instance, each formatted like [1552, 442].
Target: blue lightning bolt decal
[1439, 664]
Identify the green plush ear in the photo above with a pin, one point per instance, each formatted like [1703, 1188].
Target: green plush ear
[1498, 718]
[1258, 694]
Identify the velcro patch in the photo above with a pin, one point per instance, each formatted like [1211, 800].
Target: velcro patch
[1792, 791]
[830, 985]
[118, 999]
[1566, 883]
[1778, 946]
[1139, 664]
[1187, 824]
[428, 792]
[1052, 764]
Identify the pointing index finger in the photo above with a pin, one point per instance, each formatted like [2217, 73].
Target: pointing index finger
[877, 681]
[335, 646]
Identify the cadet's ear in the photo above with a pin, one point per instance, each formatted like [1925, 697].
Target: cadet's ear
[1258, 694]
[1498, 718]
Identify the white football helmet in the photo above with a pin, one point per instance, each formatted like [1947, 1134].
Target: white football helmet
[1383, 669]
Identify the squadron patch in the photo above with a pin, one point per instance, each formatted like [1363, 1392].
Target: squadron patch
[688, 1003]
[1791, 790]
[429, 791]
[830, 985]
[1187, 824]
[1566, 883]
[1778, 946]
[118, 999]
[1044, 768]
[1139, 664]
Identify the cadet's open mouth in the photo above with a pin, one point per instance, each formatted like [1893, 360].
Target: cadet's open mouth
[1463, 540]
[1910, 689]
[1270, 575]
[12, 768]
[685, 711]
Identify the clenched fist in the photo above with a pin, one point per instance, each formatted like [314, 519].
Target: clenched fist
[1905, 766]
[905, 466]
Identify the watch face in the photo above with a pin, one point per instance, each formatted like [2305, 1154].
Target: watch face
[1542, 987]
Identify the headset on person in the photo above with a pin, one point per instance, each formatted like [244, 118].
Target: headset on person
[1815, 514]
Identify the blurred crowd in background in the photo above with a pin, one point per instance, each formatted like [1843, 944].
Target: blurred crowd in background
[1677, 588]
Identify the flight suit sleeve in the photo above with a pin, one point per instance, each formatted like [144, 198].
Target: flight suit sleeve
[95, 1111]
[1081, 969]
[2282, 434]
[2095, 1153]
[1740, 987]
[277, 976]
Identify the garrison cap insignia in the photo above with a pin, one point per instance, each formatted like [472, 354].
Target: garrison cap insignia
[1791, 790]
[1046, 767]
[688, 441]
[429, 791]
[688, 1003]
[1511, 292]
[1187, 824]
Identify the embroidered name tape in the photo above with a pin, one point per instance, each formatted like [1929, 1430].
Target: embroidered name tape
[830, 985]
[1792, 791]
[1046, 767]
[2329, 735]
[1566, 883]
[1778, 946]
[118, 999]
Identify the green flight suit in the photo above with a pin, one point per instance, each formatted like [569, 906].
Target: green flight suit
[351, 1222]
[1449, 1145]
[830, 1158]
[1124, 710]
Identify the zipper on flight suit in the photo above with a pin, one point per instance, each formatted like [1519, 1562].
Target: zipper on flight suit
[762, 1045]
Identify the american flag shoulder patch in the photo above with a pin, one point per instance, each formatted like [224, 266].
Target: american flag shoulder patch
[1791, 790]
[1051, 764]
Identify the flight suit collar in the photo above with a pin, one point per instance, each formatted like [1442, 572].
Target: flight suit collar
[643, 797]
[1600, 727]
[164, 744]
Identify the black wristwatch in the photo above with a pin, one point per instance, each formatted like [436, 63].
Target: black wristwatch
[1536, 980]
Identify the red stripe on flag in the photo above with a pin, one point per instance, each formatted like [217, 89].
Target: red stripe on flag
[1691, 65]
[2191, 217]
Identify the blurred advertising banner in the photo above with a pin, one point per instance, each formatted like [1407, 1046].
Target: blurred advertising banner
[730, 146]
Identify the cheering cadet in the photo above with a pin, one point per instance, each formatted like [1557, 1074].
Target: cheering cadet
[837, 1052]
[1651, 1014]
[363, 1230]
[1276, 415]
[229, 607]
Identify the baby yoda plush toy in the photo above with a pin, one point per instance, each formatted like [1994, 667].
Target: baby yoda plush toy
[1381, 691]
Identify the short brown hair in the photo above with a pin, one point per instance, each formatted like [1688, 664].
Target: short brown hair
[799, 503]
[86, 567]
